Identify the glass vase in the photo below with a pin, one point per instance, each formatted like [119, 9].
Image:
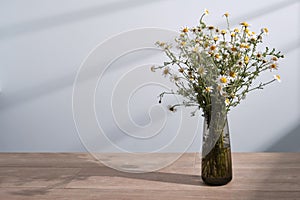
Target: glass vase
[216, 166]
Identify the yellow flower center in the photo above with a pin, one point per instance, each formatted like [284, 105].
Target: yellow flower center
[208, 89]
[227, 102]
[181, 70]
[213, 47]
[232, 74]
[206, 12]
[236, 30]
[166, 71]
[244, 24]
[273, 66]
[217, 56]
[246, 59]
[223, 79]
[223, 32]
[246, 46]
[233, 49]
[185, 30]
[265, 30]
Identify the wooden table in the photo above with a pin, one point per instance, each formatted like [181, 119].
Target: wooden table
[78, 176]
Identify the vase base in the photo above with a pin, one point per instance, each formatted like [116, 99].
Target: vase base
[216, 181]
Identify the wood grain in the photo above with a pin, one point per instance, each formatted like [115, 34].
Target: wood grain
[79, 176]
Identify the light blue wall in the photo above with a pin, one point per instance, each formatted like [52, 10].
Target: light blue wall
[43, 43]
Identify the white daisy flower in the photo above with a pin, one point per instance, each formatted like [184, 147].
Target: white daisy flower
[152, 68]
[259, 55]
[277, 77]
[166, 71]
[206, 11]
[208, 89]
[232, 75]
[274, 66]
[227, 101]
[223, 80]
[213, 48]
[265, 31]
[274, 59]
[218, 57]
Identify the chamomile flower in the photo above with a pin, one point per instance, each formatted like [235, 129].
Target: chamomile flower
[223, 32]
[232, 74]
[274, 58]
[185, 30]
[245, 24]
[265, 31]
[226, 14]
[227, 102]
[218, 57]
[245, 45]
[259, 55]
[206, 12]
[240, 63]
[253, 38]
[161, 44]
[236, 30]
[277, 77]
[223, 80]
[273, 66]
[247, 31]
[152, 68]
[181, 70]
[246, 59]
[213, 48]
[233, 49]
[210, 27]
[166, 71]
[208, 89]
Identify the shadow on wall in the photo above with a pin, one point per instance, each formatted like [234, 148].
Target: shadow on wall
[46, 88]
[288, 143]
[95, 11]
[263, 11]
[69, 17]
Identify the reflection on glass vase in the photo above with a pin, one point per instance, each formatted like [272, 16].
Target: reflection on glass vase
[216, 166]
